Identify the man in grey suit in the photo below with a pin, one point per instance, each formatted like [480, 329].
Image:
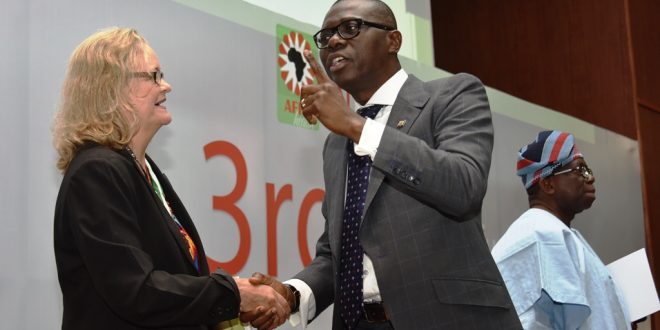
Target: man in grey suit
[422, 261]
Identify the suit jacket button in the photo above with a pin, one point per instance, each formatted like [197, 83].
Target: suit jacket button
[397, 170]
[411, 178]
[416, 181]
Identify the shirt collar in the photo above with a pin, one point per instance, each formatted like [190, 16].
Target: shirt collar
[387, 93]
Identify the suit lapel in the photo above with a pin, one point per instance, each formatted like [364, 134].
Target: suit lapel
[335, 174]
[408, 105]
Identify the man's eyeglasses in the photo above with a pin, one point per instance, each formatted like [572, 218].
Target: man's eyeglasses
[347, 30]
[156, 76]
[581, 169]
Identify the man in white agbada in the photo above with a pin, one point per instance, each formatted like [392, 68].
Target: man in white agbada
[555, 279]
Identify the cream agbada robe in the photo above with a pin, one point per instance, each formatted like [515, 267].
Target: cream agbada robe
[555, 279]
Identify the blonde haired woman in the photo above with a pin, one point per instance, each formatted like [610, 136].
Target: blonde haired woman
[128, 255]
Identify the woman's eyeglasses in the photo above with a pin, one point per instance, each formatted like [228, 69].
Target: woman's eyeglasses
[156, 76]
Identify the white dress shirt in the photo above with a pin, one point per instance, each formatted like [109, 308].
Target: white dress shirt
[372, 133]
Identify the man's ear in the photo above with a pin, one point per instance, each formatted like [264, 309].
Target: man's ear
[394, 38]
[547, 186]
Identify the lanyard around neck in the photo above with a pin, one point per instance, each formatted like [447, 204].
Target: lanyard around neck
[155, 184]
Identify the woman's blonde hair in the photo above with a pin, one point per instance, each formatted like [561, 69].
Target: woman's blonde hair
[95, 103]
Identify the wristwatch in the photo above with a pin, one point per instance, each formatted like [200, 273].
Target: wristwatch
[296, 298]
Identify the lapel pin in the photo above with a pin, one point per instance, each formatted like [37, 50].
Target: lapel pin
[401, 123]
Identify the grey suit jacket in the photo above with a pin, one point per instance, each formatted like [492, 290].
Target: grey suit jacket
[421, 226]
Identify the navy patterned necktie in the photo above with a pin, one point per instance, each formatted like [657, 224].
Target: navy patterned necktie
[350, 273]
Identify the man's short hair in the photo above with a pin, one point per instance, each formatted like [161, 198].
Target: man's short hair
[383, 10]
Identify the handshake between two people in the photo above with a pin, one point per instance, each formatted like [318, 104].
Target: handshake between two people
[266, 303]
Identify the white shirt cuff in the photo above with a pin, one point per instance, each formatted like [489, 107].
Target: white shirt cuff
[370, 138]
[307, 308]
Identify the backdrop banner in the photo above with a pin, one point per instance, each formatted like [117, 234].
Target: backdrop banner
[242, 159]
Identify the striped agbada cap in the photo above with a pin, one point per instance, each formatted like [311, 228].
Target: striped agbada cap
[550, 150]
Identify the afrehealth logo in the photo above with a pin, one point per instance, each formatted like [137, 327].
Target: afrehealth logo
[293, 72]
